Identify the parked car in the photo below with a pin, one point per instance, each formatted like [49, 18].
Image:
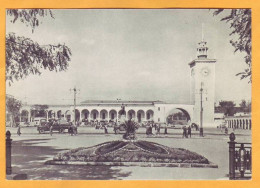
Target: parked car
[38, 120]
[57, 125]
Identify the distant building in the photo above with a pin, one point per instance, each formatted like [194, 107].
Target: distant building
[108, 110]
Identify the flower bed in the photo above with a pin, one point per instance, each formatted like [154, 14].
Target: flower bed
[137, 151]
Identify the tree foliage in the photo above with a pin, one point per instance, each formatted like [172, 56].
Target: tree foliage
[31, 17]
[25, 56]
[240, 23]
[228, 107]
[13, 107]
[245, 106]
[176, 116]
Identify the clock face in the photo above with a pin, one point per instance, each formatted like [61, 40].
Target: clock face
[205, 71]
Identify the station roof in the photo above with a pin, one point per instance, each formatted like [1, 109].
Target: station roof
[118, 102]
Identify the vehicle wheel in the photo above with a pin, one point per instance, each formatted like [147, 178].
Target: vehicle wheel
[41, 131]
[117, 131]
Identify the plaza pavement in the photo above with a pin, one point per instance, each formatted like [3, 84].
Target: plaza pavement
[31, 150]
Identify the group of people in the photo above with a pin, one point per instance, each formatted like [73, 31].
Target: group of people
[157, 128]
[186, 132]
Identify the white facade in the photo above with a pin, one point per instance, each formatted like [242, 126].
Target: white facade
[140, 111]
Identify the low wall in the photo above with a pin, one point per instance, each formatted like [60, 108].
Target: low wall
[239, 122]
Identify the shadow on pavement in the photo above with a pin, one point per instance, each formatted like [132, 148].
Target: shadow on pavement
[29, 158]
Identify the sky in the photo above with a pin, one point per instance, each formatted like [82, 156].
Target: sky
[131, 54]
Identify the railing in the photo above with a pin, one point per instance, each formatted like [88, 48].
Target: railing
[240, 159]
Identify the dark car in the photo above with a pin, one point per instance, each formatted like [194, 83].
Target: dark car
[57, 125]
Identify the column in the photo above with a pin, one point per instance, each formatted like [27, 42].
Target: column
[79, 115]
[47, 115]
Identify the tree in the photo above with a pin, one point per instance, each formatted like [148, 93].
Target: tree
[240, 23]
[13, 107]
[228, 107]
[245, 106]
[25, 56]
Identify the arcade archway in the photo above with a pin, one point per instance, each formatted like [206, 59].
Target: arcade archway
[103, 114]
[68, 115]
[59, 114]
[140, 116]
[77, 115]
[178, 116]
[94, 114]
[51, 114]
[112, 115]
[85, 114]
[131, 114]
[24, 116]
[149, 115]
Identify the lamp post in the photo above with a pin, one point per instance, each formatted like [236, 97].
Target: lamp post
[75, 90]
[201, 111]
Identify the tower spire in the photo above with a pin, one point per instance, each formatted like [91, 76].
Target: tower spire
[202, 32]
[202, 49]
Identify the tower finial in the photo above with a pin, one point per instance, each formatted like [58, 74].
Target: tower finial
[202, 32]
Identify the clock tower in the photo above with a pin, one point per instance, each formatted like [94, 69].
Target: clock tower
[202, 92]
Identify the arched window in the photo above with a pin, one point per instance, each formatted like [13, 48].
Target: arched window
[148, 115]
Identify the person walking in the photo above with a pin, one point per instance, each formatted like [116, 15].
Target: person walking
[226, 131]
[51, 127]
[115, 126]
[147, 130]
[105, 128]
[184, 134]
[74, 129]
[165, 129]
[19, 130]
[71, 130]
[158, 128]
[189, 131]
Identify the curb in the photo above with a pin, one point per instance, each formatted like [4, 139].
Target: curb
[142, 164]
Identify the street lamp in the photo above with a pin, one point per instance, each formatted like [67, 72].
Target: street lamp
[75, 91]
[201, 111]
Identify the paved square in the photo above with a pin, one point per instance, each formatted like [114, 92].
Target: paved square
[31, 150]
